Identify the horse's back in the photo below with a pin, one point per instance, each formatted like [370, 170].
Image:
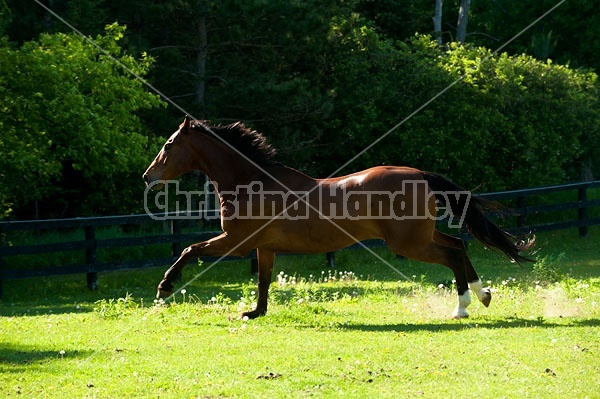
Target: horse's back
[380, 202]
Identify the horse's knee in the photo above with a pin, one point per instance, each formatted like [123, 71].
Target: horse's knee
[190, 252]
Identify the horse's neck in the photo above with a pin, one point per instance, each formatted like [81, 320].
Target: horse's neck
[230, 170]
[228, 179]
[290, 178]
[222, 165]
[271, 178]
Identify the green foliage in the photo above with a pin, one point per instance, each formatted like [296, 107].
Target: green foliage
[496, 128]
[506, 107]
[548, 268]
[322, 79]
[268, 68]
[559, 36]
[116, 308]
[398, 19]
[70, 129]
[5, 16]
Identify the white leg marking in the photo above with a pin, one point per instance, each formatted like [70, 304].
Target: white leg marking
[464, 300]
[483, 294]
[477, 288]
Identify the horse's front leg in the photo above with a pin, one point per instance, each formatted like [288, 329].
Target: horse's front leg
[165, 287]
[265, 270]
[216, 246]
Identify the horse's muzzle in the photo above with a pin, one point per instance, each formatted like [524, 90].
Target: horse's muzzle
[152, 184]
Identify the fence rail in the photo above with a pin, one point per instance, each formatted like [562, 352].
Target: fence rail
[581, 203]
[91, 244]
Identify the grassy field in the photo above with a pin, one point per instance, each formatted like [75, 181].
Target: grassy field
[359, 331]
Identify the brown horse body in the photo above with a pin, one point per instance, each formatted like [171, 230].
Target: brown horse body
[275, 209]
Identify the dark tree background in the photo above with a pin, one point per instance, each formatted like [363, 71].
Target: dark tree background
[322, 79]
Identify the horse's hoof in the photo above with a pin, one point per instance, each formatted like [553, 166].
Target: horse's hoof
[487, 298]
[165, 289]
[160, 294]
[460, 314]
[459, 317]
[254, 313]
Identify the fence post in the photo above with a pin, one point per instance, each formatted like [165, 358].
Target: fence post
[521, 215]
[582, 197]
[176, 243]
[331, 259]
[90, 257]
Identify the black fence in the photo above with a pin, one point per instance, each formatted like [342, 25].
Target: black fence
[526, 204]
[579, 202]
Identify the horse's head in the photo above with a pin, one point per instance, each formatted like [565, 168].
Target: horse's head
[173, 160]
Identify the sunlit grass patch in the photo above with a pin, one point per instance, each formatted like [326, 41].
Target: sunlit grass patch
[357, 331]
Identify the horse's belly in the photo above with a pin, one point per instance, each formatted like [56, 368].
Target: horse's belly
[317, 236]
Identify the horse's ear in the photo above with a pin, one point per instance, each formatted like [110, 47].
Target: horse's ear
[187, 122]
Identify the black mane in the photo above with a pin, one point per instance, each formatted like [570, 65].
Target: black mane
[247, 141]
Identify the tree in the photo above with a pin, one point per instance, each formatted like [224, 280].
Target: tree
[269, 67]
[497, 128]
[397, 19]
[568, 35]
[201, 58]
[437, 20]
[72, 138]
[463, 19]
[322, 79]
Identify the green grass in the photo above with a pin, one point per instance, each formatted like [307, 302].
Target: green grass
[365, 332]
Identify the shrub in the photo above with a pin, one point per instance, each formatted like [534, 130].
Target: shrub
[506, 121]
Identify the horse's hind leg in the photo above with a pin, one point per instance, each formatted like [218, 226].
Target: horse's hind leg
[483, 294]
[439, 251]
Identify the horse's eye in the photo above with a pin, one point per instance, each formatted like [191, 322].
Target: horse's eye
[167, 146]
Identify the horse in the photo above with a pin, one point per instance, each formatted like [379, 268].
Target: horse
[272, 208]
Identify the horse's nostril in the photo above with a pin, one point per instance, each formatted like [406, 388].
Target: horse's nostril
[146, 178]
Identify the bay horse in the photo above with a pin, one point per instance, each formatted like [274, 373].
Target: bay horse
[273, 208]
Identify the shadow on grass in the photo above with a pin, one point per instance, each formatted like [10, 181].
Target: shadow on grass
[16, 358]
[475, 324]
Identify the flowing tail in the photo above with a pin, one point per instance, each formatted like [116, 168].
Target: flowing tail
[478, 225]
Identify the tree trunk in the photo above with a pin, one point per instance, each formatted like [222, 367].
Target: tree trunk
[463, 19]
[201, 60]
[437, 21]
